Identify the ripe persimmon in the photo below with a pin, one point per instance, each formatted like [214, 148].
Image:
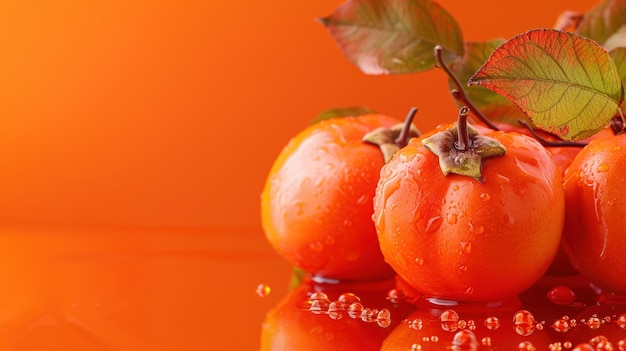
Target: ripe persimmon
[316, 206]
[595, 235]
[456, 237]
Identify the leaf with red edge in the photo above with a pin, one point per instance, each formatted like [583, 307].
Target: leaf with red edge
[619, 57]
[567, 84]
[394, 36]
[494, 106]
[602, 21]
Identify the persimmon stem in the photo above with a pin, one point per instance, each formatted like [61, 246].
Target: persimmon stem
[403, 138]
[549, 143]
[617, 122]
[463, 141]
[459, 93]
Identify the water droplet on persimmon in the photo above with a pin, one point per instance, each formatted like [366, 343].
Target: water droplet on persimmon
[416, 347]
[561, 295]
[347, 298]
[561, 325]
[335, 311]
[319, 306]
[395, 295]
[355, 309]
[593, 322]
[416, 324]
[466, 247]
[263, 290]
[433, 224]
[383, 319]
[464, 340]
[621, 321]
[451, 218]
[419, 261]
[368, 315]
[603, 167]
[526, 346]
[485, 196]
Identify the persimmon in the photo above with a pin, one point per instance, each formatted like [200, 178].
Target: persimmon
[317, 200]
[472, 237]
[595, 235]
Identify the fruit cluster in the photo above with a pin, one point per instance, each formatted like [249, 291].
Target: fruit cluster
[477, 210]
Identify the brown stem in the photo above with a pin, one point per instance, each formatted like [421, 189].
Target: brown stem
[459, 93]
[617, 122]
[403, 138]
[463, 142]
[549, 143]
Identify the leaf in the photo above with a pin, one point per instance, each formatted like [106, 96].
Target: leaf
[567, 84]
[602, 21]
[351, 111]
[619, 57]
[496, 107]
[618, 39]
[394, 36]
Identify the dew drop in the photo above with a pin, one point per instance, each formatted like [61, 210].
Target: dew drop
[433, 224]
[466, 247]
[416, 324]
[524, 322]
[434, 338]
[561, 325]
[455, 187]
[463, 268]
[621, 345]
[395, 295]
[621, 321]
[346, 299]
[368, 315]
[319, 306]
[335, 311]
[383, 319]
[593, 322]
[319, 295]
[362, 200]
[419, 261]
[263, 290]
[464, 340]
[486, 341]
[416, 347]
[567, 344]
[449, 320]
[526, 346]
[561, 295]
[355, 309]
[485, 196]
[492, 323]
[451, 218]
[603, 167]
[584, 347]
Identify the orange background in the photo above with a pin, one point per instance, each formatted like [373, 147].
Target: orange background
[144, 116]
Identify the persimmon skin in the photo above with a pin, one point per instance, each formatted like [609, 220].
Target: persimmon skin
[317, 201]
[595, 235]
[454, 238]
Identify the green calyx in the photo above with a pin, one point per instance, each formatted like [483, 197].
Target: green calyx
[390, 140]
[465, 160]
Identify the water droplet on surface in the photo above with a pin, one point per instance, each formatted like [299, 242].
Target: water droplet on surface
[524, 322]
[449, 320]
[347, 298]
[463, 268]
[368, 315]
[561, 295]
[395, 295]
[621, 321]
[455, 187]
[486, 341]
[561, 325]
[319, 306]
[416, 324]
[433, 224]
[383, 319]
[593, 322]
[567, 345]
[526, 346]
[451, 218]
[263, 290]
[465, 340]
[603, 167]
[419, 261]
[492, 323]
[355, 309]
[319, 295]
[416, 347]
[335, 311]
[485, 196]
[466, 247]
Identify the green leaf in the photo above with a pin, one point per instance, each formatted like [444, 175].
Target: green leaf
[619, 57]
[602, 21]
[394, 36]
[496, 107]
[567, 84]
[352, 111]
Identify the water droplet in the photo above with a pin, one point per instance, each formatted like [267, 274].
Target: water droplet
[362, 200]
[469, 291]
[466, 247]
[319, 306]
[485, 196]
[463, 268]
[368, 315]
[449, 320]
[486, 341]
[621, 345]
[455, 187]
[419, 261]
[383, 319]
[501, 180]
[593, 322]
[416, 347]
[561, 295]
[603, 167]
[355, 309]
[526, 346]
[319, 295]
[263, 290]
[567, 344]
[451, 218]
[465, 340]
[492, 323]
[561, 325]
[433, 224]
[395, 295]
[584, 347]
[347, 298]
[476, 229]
[621, 321]
[335, 311]
[416, 324]
[434, 338]
[524, 322]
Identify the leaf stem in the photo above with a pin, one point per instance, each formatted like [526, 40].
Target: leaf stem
[463, 141]
[403, 138]
[459, 93]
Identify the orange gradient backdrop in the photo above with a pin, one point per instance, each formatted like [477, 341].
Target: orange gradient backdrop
[135, 139]
[170, 113]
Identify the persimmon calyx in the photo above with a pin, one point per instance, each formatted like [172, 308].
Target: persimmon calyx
[390, 140]
[467, 162]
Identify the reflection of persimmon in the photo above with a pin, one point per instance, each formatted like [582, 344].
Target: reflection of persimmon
[291, 325]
